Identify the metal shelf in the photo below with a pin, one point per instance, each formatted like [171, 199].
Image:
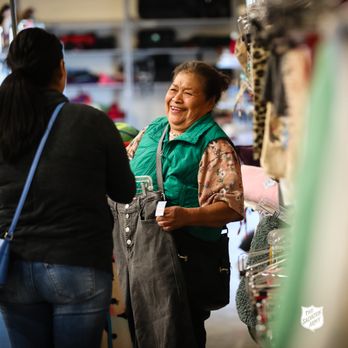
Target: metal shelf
[179, 22]
[186, 51]
[111, 86]
[137, 51]
[85, 25]
[92, 52]
[126, 32]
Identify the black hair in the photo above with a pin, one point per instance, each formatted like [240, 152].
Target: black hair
[215, 81]
[34, 58]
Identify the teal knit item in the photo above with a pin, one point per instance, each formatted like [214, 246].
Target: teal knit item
[245, 309]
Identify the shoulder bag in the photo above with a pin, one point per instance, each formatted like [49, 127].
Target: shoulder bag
[8, 236]
[206, 266]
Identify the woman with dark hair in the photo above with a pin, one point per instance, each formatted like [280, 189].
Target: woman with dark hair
[203, 191]
[58, 289]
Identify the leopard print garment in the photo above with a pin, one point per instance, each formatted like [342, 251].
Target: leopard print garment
[260, 56]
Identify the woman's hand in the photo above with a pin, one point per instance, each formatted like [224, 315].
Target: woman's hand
[174, 217]
[217, 214]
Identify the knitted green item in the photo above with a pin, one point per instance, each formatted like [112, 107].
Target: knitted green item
[245, 309]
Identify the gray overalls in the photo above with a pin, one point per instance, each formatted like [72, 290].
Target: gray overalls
[150, 275]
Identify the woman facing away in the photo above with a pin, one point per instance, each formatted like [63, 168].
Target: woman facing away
[58, 289]
[203, 189]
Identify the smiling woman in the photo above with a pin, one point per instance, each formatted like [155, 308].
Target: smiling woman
[195, 90]
[186, 102]
[203, 189]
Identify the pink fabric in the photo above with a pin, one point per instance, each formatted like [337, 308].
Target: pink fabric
[258, 186]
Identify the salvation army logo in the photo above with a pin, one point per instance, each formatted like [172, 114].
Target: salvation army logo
[312, 318]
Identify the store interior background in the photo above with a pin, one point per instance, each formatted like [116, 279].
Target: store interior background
[130, 83]
[133, 80]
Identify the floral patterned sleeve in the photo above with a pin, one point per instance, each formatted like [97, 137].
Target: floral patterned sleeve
[219, 176]
[133, 145]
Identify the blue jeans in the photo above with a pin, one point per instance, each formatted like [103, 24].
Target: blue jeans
[47, 305]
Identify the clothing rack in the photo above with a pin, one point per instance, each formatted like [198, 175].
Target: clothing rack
[263, 279]
[288, 25]
[264, 207]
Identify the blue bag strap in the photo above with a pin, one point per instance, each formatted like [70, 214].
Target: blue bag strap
[32, 170]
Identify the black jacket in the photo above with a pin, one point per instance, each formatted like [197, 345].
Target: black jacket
[66, 218]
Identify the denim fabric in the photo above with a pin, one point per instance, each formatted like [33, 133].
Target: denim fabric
[151, 277]
[47, 305]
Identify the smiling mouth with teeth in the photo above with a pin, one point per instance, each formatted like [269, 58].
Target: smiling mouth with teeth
[174, 108]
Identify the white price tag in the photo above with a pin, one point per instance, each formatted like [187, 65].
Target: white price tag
[160, 208]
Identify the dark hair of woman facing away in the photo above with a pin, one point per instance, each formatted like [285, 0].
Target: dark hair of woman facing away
[215, 81]
[34, 58]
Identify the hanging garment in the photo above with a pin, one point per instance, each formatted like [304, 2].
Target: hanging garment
[274, 91]
[241, 53]
[154, 291]
[296, 70]
[318, 260]
[259, 58]
[149, 271]
[274, 147]
[273, 154]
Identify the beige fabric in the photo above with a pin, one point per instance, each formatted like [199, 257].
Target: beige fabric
[273, 155]
[241, 53]
[296, 69]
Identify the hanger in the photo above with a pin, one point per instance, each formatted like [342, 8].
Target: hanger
[266, 208]
[256, 9]
[270, 270]
[258, 266]
[144, 184]
[243, 25]
[245, 260]
[278, 237]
